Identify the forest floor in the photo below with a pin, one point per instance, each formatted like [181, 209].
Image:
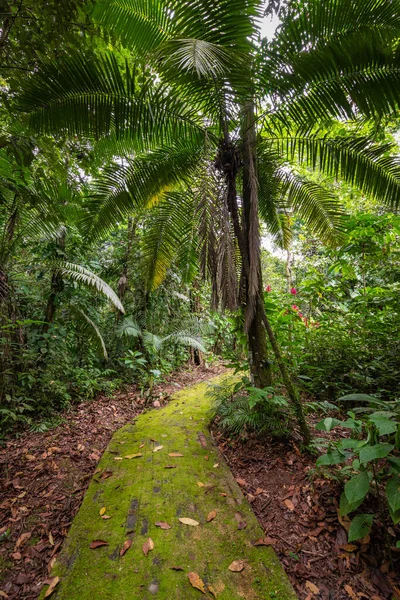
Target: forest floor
[44, 477]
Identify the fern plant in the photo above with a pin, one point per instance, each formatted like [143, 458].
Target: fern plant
[241, 410]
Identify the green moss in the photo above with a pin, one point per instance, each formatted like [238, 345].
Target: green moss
[140, 492]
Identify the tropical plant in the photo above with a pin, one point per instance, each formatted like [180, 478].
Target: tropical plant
[373, 451]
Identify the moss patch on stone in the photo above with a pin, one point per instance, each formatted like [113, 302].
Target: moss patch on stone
[138, 492]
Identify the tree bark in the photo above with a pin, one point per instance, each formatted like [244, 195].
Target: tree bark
[57, 286]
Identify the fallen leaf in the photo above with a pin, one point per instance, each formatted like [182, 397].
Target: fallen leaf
[81, 447]
[312, 587]
[148, 546]
[175, 454]
[105, 517]
[51, 539]
[16, 556]
[162, 525]
[118, 458]
[137, 455]
[216, 465]
[106, 474]
[197, 582]
[176, 568]
[51, 564]
[54, 582]
[187, 521]
[211, 515]
[237, 566]
[3, 595]
[141, 446]
[350, 592]
[22, 494]
[98, 544]
[349, 547]
[242, 525]
[265, 541]
[102, 511]
[22, 539]
[289, 504]
[30, 457]
[212, 591]
[125, 547]
[259, 491]
[241, 482]
[223, 494]
[200, 484]
[158, 448]
[170, 467]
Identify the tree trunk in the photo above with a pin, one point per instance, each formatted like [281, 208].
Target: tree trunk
[260, 369]
[57, 286]
[123, 283]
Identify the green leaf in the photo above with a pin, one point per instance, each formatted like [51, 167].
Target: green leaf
[385, 426]
[346, 507]
[360, 527]
[393, 493]
[357, 488]
[327, 424]
[369, 453]
[332, 458]
[394, 463]
[395, 516]
[359, 398]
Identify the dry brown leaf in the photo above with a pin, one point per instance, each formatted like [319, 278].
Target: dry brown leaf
[187, 521]
[22, 539]
[137, 455]
[351, 592]
[212, 591]
[237, 566]
[16, 555]
[175, 454]
[211, 515]
[289, 504]
[51, 564]
[51, 539]
[141, 446]
[30, 457]
[170, 467]
[176, 568]
[80, 447]
[102, 511]
[349, 547]
[311, 587]
[97, 544]
[265, 541]
[105, 517]
[158, 448]
[197, 582]
[259, 491]
[3, 594]
[162, 525]
[54, 582]
[125, 547]
[241, 482]
[148, 546]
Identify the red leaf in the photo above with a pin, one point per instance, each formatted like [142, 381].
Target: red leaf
[98, 544]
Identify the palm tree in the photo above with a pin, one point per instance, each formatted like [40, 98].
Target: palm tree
[212, 97]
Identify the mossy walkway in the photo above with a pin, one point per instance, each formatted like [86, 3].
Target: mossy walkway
[178, 475]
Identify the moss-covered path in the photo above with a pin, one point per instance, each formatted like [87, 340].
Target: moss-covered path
[178, 475]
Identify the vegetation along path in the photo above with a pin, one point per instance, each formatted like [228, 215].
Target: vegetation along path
[164, 518]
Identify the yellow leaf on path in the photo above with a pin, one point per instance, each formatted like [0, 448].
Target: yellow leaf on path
[197, 582]
[148, 546]
[289, 504]
[118, 458]
[102, 511]
[3, 595]
[158, 448]
[216, 465]
[312, 587]
[237, 566]
[212, 591]
[200, 484]
[51, 539]
[137, 455]
[51, 564]
[187, 521]
[125, 547]
[54, 582]
[175, 454]
[211, 515]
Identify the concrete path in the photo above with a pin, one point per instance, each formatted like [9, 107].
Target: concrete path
[156, 480]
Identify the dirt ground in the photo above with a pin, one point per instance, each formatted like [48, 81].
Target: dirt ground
[44, 476]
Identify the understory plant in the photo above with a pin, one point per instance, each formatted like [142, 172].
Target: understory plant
[368, 461]
[241, 409]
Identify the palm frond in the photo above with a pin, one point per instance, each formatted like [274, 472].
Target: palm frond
[95, 334]
[129, 327]
[86, 277]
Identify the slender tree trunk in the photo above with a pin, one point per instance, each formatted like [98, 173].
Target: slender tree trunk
[123, 283]
[260, 368]
[57, 286]
[256, 311]
[196, 355]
